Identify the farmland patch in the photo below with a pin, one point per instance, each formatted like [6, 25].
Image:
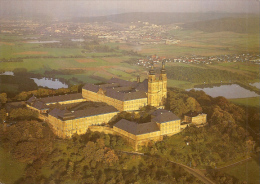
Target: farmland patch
[30, 53]
[86, 60]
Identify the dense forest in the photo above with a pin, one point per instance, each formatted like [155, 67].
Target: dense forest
[17, 83]
[90, 158]
[225, 139]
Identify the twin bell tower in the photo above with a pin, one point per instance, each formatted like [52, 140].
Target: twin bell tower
[157, 88]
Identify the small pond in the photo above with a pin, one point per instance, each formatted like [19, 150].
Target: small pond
[7, 73]
[50, 83]
[228, 91]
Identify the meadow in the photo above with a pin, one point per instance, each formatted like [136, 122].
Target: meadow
[246, 171]
[201, 43]
[253, 102]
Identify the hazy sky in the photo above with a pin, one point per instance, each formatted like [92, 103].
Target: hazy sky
[67, 8]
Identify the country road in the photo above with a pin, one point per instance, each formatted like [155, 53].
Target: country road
[195, 172]
[235, 163]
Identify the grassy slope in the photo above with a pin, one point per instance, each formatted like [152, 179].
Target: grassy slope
[179, 84]
[246, 171]
[254, 101]
[204, 43]
[248, 24]
[10, 170]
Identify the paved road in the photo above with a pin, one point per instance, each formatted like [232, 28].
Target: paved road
[195, 172]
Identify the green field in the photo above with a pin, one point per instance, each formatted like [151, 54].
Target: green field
[111, 64]
[10, 170]
[246, 171]
[179, 84]
[249, 67]
[254, 101]
[202, 43]
[94, 63]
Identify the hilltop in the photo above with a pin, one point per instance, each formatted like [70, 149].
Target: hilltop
[238, 25]
[159, 17]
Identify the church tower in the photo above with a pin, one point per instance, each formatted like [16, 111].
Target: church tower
[152, 88]
[163, 84]
[157, 89]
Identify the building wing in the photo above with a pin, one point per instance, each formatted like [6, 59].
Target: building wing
[135, 128]
[165, 117]
[61, 98]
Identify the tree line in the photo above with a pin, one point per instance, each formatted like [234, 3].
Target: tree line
[225, 139]
[11, 60]
[44, 92]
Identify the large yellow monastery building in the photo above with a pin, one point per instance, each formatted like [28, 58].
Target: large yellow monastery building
[117, 95]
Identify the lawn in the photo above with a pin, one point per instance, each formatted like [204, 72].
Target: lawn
[254, 101]
[246, 171]
[42, 64]
[202, 43]
[10, 170]
[180, 84]
[119, 73]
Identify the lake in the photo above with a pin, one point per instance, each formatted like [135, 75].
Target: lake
[50, 83]
[256, 84]
[228, 91]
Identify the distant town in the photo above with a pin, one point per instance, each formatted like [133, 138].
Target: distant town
[143, 33]
[135, 33]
